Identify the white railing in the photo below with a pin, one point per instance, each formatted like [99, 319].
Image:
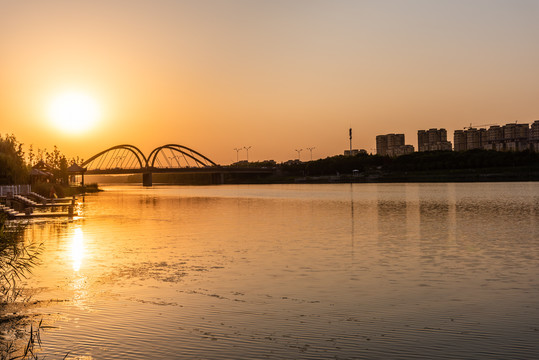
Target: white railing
[15, 189]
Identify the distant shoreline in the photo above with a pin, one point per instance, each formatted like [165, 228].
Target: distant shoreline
[436, 166]
[416, 177]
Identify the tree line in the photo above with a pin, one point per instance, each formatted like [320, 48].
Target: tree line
[418, 161]
[16, 164]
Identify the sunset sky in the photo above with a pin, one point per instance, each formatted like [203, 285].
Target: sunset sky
[274, 75]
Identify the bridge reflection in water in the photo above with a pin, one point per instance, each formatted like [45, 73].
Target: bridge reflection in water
[170, 158]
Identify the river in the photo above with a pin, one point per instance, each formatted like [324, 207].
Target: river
[347, 271]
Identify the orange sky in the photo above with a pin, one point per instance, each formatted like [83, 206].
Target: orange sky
[274, 75]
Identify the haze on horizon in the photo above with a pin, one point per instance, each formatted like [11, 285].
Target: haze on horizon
[274, 75]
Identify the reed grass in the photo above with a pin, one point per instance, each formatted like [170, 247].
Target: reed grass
[17, 258]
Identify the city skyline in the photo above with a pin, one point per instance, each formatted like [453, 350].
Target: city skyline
[498, 137]
[277, 76]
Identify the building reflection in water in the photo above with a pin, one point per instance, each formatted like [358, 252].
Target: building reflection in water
[352, 218]
[77, 249]
[434, 218]
[393, 245]
[392, 216]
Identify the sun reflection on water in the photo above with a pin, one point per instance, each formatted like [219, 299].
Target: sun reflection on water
[78, 209]
[79, 283]
[77, 249]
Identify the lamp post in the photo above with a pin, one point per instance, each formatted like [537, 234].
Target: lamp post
[247, 149]
[175, 158]
[311, 150]
[299, 153]
[237, 154]
[118, 160]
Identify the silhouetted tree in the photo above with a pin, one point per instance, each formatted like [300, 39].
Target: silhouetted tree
[12, 166]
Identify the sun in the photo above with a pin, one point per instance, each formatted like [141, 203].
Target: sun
[74, 112]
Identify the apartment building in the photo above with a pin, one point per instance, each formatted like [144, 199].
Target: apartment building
[432, 140]
[510, 137]
[475, 138]
[392, 145]
[534, 136]
[459, 139]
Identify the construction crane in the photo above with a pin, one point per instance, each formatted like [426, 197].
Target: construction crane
[475, 126]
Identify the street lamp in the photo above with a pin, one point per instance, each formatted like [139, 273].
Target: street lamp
[237, 154]
[299, 153]
[118, 160]
[311, 150]
[175, 158]
[247, 148]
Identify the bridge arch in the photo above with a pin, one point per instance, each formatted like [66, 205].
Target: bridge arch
[119, 156]
[187, 155]
[129, 159]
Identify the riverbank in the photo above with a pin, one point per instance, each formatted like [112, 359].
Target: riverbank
[493, 174]
[434, 166]
[459, 175]
[60, 190]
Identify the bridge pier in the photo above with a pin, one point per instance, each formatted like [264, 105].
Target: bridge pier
[217, 178]
[147, 179]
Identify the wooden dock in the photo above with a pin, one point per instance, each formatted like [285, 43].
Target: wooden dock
[23, 206]
[14, 215]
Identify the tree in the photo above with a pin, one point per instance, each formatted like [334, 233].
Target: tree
[12, 165]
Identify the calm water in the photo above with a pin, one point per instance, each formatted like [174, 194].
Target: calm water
[374, 271]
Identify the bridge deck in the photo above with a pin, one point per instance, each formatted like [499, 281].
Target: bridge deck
[201, 170]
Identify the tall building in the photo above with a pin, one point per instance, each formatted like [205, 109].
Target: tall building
[475, 138]
[381, 145]
[469, 139]
[422, 140]
[494, 139]
[400, 150]
[394, 140]
[516, 137]
[510, 137]
[392, 145]
[534, 136]
[432, 140]
[534, 131]
[459, 139]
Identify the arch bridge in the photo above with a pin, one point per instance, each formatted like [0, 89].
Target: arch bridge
[169, 158]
